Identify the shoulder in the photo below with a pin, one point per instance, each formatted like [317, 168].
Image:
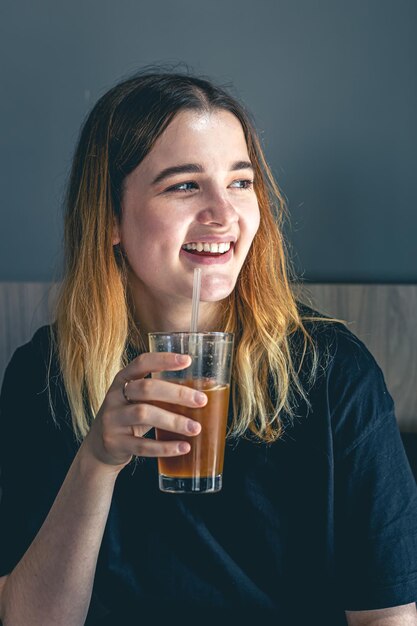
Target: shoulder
[31, 361]
[40, 344]
[32, 381]
[339, 350]
[349, 384]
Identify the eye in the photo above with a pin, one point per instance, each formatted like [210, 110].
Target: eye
[242, 184]
[188, 186]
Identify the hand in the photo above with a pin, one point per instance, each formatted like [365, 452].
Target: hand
[118, 429]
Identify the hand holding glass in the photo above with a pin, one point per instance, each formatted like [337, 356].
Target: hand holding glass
[201, 469]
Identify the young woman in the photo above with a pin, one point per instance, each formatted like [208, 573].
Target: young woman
[317, 518]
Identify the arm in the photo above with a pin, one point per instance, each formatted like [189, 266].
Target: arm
[52, 583]
[405, 615]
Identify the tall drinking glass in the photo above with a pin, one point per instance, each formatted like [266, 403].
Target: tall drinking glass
[201, 469]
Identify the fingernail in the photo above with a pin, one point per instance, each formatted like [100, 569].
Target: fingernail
[182, 358]
[192, 426]
[183, 447]
[200, 397]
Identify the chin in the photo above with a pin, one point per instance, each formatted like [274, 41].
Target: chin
[215, 295]
[216, 287]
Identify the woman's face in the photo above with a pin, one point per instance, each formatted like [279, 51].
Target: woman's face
[192, 191]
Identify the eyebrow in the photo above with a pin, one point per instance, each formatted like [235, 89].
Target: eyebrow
[195, 168]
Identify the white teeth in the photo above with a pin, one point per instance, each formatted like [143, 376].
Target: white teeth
[214, 248]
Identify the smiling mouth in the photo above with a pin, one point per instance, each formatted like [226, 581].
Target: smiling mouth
[207, 249]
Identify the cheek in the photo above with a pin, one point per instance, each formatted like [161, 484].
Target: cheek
[256, 222]
[252, 222]
[140, 227]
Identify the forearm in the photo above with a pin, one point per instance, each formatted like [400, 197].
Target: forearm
[404, 615]
[52, 583]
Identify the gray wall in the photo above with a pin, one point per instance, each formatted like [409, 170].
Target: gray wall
[332, 85]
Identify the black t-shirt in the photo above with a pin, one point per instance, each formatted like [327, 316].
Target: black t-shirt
[322, 521]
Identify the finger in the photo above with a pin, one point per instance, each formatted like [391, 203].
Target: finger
[148, 416]
[139, 446]
[156, 390]
[150, 362]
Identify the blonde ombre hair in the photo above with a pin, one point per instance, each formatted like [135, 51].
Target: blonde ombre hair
[94, 321]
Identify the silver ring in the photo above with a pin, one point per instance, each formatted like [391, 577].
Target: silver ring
[126, 397]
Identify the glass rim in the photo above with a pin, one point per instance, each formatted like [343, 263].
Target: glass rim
[187, 333]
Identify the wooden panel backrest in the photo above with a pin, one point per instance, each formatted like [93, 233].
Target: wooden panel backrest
[383, 316]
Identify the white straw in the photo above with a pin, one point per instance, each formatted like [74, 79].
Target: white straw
[196, 300]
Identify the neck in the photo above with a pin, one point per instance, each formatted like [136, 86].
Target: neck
[156, 314]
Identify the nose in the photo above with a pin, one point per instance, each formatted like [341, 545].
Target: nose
[218, 210]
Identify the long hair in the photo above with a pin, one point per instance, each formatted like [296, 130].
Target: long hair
[94, 321]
